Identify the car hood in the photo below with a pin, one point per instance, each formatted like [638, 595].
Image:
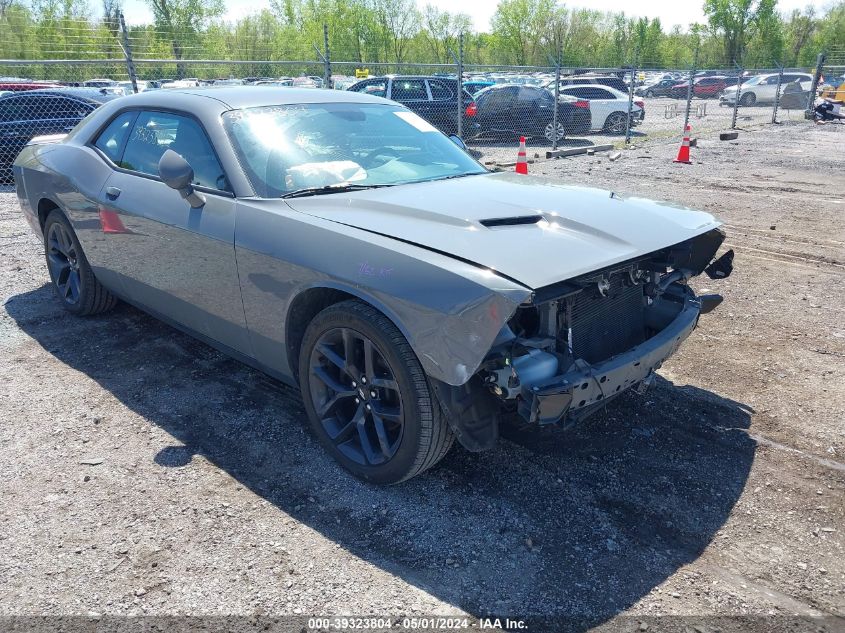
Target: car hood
[534, 231]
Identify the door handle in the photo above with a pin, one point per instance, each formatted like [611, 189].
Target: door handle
[112, 192]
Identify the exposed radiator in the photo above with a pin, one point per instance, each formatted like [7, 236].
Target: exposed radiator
[603, 326]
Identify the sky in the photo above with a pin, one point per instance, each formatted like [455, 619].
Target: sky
[670, 12]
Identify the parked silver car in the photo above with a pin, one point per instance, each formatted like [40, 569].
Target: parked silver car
[340, 243]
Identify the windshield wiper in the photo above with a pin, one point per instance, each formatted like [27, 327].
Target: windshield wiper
[340, 188]
[450, 177]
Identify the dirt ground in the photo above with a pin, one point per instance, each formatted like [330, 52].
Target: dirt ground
[143, 473]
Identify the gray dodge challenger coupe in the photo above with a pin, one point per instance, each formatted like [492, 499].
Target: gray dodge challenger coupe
[338, 241]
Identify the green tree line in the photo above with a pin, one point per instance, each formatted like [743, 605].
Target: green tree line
[522, 32]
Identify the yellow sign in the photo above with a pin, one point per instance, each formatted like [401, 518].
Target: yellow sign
[362, 73]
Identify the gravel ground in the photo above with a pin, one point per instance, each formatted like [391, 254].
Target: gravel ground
[142, 472]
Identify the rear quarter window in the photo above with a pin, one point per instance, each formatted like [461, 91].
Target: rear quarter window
[112, 139]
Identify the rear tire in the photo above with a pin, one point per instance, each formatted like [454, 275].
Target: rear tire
[378, 417]
[615, 123]
[549, 132]
[70, 273]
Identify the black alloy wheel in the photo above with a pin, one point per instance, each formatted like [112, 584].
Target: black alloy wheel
[360, 405]
[368, 399]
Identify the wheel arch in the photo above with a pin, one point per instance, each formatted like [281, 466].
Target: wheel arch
[311, 300]
[43, 209]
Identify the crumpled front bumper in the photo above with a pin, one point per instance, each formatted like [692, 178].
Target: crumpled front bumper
[584, 385]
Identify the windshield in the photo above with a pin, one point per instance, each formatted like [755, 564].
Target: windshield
[290, 148]
[753, 81]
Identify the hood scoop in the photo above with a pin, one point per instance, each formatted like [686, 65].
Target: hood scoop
[492, 223]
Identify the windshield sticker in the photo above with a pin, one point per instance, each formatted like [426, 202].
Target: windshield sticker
[421, 124]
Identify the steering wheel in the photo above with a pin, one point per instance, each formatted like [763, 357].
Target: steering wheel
[367, 159]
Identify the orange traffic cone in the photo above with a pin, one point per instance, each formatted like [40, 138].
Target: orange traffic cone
[683, 152]
[521, 161]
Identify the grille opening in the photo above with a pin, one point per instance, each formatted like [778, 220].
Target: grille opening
[603, 326]
[515, 221]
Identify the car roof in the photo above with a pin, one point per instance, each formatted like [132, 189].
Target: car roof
[602, 86]
[89, 94]
[237, 97]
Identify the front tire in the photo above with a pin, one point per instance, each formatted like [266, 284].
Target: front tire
[748, 99]
[367, 397]
[70, 273]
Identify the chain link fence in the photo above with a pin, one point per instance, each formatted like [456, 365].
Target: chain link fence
[555, 107]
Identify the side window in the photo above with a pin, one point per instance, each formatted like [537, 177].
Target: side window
[772, 80]
[527, 94]
[18, 109]
[113, 138]
[576, 92]
[501, 99]
[598, 93]
[62, 108]
[439, 90]
[156, 132]
[375, 87]
[408, 90]
[8, 109]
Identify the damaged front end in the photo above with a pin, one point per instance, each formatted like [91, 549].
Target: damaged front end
[575, 345]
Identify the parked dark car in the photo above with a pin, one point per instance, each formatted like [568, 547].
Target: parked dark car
[703, 87]
[435, 99]
[25, 115]
[661, 88]
[611, 81]
[527, 111]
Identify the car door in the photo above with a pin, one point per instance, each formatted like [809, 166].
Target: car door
[176, 261]
[601, 103]
[14, 131]
[444, 105]
[765, 90]
[496, 109]
[533, 112]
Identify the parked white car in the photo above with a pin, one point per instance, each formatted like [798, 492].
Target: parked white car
[127, 86]
[763, 88]
[608, 106]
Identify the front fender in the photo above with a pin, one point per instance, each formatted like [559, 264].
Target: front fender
[450, 336]
[450, 311]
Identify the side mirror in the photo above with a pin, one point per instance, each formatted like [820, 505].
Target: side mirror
[178, 174]
[457, 140]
